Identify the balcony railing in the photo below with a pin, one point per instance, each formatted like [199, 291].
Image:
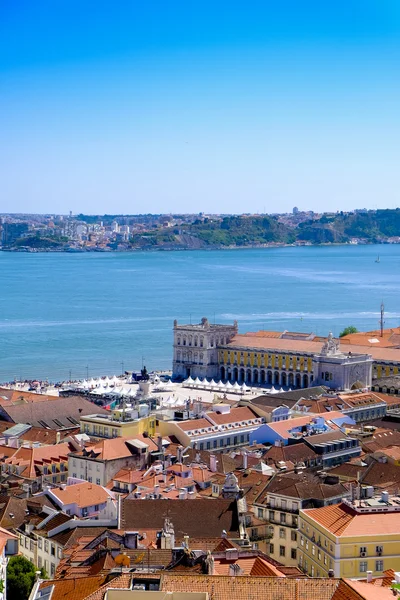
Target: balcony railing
[294, 511]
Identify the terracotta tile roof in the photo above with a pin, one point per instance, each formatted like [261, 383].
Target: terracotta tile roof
[220, 587]
[82, 494]
[389, 339]
[119, 447]
[386, 579]
[199, 518]
[234, 416]
[304, 486]
[348, 470]
[309, 347]
[341, 520]
[42, 411]
[70, 537]
[73, 589]
[254, 566]
[33, 457]
[382, 439]
[294, 453]
[392, 452]
[193, 424]
[382, 475]
[58, 519]
[366, 591]
[122, 582]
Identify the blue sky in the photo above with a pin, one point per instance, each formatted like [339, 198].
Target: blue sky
[128, 107]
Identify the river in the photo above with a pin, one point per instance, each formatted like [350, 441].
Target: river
[99, 313]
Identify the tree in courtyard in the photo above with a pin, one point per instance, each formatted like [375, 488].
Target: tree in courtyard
[348, 330]
[20, 578]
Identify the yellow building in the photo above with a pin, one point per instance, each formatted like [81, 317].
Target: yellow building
[117, 424]
[286, 358]
[350, 539]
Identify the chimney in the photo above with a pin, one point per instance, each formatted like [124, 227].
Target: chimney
[234, 570]
[369, 576]
[213, 463]
[159, 443]
[244, 454]
[179, 454]
[58, 437]
[182, 494]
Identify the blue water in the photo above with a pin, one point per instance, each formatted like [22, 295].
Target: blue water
[91, 312]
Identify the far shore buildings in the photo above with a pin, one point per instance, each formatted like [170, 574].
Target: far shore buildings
[292, 359]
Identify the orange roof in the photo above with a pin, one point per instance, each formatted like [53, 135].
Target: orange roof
[307, 346]
[82, 494]
[193, 424]
[390, 338]
[73, 589]
[234, 416]
[368, 591]
[222, 587]
[111, 449]
[32, 456]
[254, 566]
[342, 520]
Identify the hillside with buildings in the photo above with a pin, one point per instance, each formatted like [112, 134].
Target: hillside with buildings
[190, 232]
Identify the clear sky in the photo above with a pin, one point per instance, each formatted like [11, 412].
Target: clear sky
[199, 105]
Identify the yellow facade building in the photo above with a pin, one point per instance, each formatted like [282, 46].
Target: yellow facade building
[350, 539]
[117, 425]
[286, 358]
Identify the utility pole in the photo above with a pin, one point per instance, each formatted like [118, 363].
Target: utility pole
[381, 320]
[70, 375]
[122, 365]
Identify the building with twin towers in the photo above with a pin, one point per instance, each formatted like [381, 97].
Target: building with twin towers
[283, 359]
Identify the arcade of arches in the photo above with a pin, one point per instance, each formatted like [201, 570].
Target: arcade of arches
[257, 376]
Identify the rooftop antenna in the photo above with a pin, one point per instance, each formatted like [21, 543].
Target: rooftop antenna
[381, 320]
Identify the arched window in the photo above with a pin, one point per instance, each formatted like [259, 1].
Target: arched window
[184, 340]
[196, 340]
[178, 355]
[201, 341]
[179, 340]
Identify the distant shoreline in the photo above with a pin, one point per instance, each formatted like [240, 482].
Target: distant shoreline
[187, 249]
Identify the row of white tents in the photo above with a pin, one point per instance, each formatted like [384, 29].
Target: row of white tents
[224, 387]
[234, 388]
